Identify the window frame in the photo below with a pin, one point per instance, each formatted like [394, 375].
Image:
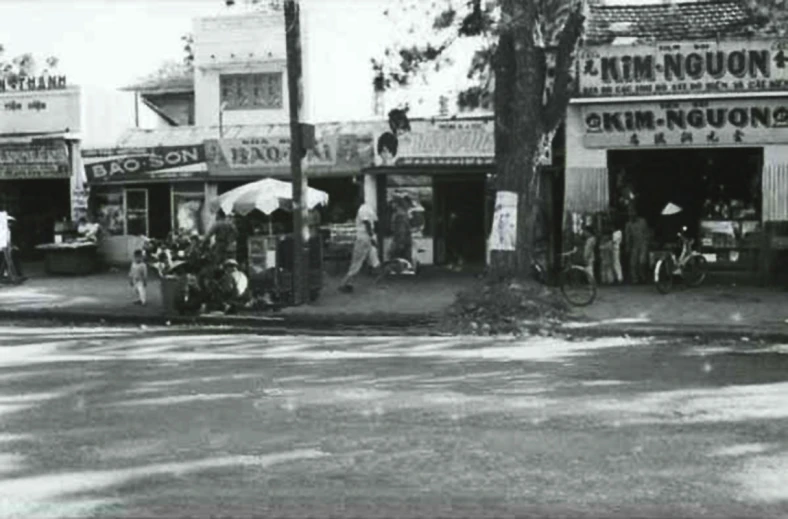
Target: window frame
[126, 212]
[236, 91]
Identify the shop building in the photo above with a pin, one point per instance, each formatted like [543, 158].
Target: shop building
[447, 165]
[699, 121]
[40, 125]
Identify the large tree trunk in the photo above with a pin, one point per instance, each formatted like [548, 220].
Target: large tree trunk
[526, 117]
[519, 91]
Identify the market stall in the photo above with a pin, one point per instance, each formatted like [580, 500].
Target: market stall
[74, 252]
[269, 257]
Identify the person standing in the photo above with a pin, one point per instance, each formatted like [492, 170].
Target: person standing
[365, 246]
[618, 274]
[402, 240]
[225, 236]
[138, 278]
[636, 238]
[589, 250]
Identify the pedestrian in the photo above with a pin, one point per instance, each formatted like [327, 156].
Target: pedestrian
[618, 274]
[589, 249]
[365, 246]
[402, 239]
[606, 269]
[225, 237]
[636, 236]
[138, 278]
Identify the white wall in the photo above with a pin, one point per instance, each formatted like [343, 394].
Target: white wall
[775, 154]
[577, 155]
[107, 113]
[237, 44]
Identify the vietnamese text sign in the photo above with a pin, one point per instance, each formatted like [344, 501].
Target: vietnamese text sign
[686, 123]
[683, 68]
[271, 155]
[155, 159]
[451, 143]
[45, 111]
[30, 161]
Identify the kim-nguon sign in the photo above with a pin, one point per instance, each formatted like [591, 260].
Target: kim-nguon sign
[688, 67]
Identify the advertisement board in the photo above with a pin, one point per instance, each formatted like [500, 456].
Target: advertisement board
[677, 68]
[712, 122]
[40, 111]
[139, 163]
[35, 160]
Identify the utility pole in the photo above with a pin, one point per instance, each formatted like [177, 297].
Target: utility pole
[295, 93]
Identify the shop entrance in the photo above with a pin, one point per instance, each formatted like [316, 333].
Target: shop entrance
[718, 190]
[460, 220]
[36, 205]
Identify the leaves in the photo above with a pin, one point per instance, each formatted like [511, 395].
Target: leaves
[23, 65]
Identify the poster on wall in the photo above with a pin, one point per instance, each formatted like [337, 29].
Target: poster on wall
[188, 211]
[4, 233]
[504, 228]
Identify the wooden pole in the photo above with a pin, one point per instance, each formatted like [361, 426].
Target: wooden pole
[295, 92]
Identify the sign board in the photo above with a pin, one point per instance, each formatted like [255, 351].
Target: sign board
[331, 153]
[136, 165]
[442, 143]
[683, 68]
[33, 83]
[713, 122]
[40, 111]
[31, 161]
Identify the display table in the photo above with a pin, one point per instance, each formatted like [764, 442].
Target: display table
[75, 258]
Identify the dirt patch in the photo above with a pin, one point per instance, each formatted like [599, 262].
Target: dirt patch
[505, 308]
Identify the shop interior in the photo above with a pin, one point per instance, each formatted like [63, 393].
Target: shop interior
[36, 205]
[460, 217]
[718, 191]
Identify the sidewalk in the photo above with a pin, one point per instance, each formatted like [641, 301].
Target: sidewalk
[411, 304]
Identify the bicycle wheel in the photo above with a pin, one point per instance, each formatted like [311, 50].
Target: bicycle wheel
[578, 286]
[695, 271]
[663, 276]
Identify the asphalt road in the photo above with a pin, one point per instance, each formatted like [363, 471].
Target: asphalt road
[107, 422]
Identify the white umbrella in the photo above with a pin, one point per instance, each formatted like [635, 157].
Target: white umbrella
[671, 209]
[266, 196]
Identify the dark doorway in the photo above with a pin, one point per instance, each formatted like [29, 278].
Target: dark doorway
[36, 205]
[460, 220]
[159, 210]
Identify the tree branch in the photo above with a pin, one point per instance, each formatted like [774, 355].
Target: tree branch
[562, 89]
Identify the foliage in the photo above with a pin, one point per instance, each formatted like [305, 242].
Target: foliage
[23, 65]
[188, 49]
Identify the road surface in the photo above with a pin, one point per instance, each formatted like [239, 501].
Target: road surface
[129, 422]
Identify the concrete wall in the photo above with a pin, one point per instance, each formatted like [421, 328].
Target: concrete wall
[577, 156]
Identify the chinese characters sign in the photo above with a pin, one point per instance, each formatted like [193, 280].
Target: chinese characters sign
[682, 68]
[686, 123]
[31, 161]
[40, 111]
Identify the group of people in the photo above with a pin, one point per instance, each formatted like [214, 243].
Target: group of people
[633, 240]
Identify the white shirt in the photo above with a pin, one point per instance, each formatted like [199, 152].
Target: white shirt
[365, 214]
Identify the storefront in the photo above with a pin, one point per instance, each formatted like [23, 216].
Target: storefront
[145, 192]
[700, 125]
[40, 120]
[161, 181]
[445, 167]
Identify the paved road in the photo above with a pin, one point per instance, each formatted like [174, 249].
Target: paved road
[151, 423]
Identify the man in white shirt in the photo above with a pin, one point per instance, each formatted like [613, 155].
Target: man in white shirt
[365, 247]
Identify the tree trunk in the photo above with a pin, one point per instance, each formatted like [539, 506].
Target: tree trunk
[519, 93]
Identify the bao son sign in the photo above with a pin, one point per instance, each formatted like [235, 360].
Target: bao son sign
[681, 68]
[686, 123]
[148, 160]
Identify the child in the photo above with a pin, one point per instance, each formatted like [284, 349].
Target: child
[138, 278]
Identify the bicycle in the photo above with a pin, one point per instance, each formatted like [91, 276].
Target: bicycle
[690, 266]
[577, 285]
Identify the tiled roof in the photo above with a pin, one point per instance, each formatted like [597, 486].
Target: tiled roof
[668, 21]
[165, 85]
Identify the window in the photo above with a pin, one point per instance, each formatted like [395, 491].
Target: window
[187, 204]
[252, 91]
[137, 212]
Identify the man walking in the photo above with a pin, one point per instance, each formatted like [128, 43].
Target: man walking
[365, 246]
[636, 237]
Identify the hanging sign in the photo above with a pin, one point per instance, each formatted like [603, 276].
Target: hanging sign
[683, 68]
[717, 122]
[30, 161]
[154, 159]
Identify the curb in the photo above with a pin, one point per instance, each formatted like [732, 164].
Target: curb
[278, 324]
[771, 332]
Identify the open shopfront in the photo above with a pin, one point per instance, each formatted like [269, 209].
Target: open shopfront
[145, 192]
[673, 137]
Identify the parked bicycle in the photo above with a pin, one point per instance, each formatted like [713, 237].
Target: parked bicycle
[690, 266]
[577, 285]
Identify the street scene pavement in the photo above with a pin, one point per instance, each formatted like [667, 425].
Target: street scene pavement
[148, 422]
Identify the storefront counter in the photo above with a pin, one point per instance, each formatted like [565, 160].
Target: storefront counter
[78, 258]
